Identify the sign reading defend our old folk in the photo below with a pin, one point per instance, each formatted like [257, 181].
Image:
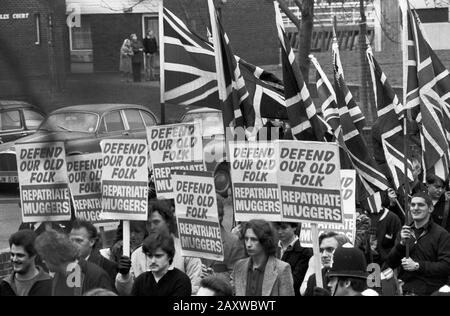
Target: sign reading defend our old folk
[124, 179]
[310, 182]
[197, 215]
[254, 172]
[85, 180]
[174, 147]
[44, 190]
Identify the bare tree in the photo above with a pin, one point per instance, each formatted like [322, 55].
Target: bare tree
[305, 27]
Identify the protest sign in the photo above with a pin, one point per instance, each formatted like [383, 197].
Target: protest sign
[309, 180]
[348, 187]
[124, 179]
[197, 216]
[172, 147]
[44, 189]
[254, 177]
[85, 180]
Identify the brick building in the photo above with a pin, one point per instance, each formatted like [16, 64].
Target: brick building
[33, 40]
[104, 24]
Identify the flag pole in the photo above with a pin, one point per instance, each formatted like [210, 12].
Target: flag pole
[404, 6]
[161, 61]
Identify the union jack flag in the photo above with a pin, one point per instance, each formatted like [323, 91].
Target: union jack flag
[389, 123]
[302, 114]
[337, 115]
[190, 76]
[428, 98]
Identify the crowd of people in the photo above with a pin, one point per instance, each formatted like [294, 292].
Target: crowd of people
[411, 250]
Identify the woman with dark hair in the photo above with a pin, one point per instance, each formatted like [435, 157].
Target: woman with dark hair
[262, 274]
[162, 279]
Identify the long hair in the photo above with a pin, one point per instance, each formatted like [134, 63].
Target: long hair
[265, 233]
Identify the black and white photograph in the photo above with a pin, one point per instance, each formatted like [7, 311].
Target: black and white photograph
[247, 150]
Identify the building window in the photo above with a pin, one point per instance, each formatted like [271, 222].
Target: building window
[81, 36]
[37, 24]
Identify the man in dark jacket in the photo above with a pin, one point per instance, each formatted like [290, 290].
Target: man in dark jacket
[289, 250]
[428, 266]
[441, 203]
[84, 236]
[72, 276]
[150, 49]
[136, 59]
[27, 279]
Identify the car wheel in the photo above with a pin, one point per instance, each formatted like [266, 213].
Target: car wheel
[222, 179]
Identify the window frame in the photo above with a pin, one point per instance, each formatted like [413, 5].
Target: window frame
[21, 122]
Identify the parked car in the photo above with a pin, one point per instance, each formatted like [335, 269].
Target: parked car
[17, 119]
[82, 127]
[214, 146]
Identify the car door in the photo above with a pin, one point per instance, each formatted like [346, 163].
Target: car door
[112, 125]
[32, 120]
[11, 127]
[136, 126]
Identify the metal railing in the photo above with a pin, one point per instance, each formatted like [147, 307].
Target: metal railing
[347, 13]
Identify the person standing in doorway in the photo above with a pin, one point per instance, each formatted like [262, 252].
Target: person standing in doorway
[150, 50]
[136, 59]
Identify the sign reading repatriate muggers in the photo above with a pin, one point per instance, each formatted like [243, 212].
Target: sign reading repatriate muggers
[124, 179]
[348, 187]
[174, 147]
[310, 182]
[254, 177]
[85, 180]
[197, 216]
[44, 189]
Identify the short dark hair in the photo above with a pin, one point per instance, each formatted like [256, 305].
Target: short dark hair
[90, 228]
[218, 285]
[327, 235]
[424, 196]
[357, 284]
[265, 233]
[164, 208]
[292, 224]
[25, 238]
[56, 248]
[433, 179]
[159, 240]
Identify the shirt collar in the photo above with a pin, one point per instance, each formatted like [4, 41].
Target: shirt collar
[291, 245]
[260, 268]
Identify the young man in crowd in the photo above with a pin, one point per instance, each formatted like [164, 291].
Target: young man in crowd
[428, 266]
[262, 274]
[84, 236]
[214, 285]
[441, 201]
[72, 276]
[328, 243]
[162, 279]
[160, 219]
[289, 250]
[27, 279]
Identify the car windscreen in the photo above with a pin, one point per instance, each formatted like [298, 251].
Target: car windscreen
[211, 122]
[71, 122]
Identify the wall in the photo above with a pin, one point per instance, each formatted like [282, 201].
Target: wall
[18, 39]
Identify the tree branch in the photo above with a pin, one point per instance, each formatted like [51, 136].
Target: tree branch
[284, 7]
